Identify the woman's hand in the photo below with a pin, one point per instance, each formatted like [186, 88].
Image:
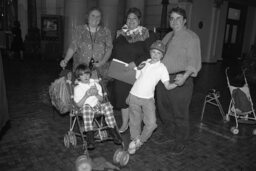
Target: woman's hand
[131, 66]
[63, 63]
[98, 64]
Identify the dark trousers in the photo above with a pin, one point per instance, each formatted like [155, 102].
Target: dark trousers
[173, 109]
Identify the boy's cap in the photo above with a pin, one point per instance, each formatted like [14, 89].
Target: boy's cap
[159, 46]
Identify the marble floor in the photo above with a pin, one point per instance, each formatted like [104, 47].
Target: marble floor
[33, 138]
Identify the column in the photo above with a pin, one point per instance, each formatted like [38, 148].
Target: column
[138, 4]
[164, 14]
[4, 115]
[110, 10]
[74, 14]
[51, 7]
[163, 25]
[216, 30]
[32, 14]
[23, 17]
[209, 52]
[187, 6]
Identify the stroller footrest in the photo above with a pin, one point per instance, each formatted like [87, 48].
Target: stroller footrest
[246, 121]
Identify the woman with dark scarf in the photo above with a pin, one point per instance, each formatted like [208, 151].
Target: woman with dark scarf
[131, 45]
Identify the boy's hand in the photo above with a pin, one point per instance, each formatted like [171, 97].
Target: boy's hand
[172, 86]
[169, 85]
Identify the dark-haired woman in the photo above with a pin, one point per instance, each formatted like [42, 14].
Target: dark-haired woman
[131, 46]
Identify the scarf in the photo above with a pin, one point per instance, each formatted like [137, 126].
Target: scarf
[138, 34]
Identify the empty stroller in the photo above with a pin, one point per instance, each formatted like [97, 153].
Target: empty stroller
[91, 121]
[241, 105]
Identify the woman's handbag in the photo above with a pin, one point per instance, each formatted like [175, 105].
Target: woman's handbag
[60, 95]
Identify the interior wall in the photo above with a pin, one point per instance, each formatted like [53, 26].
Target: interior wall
[221, 30]
[92, 3]
[250, 30]
[23, 17]
[153, 10]
[60, 7]
[121, 14]
[4, 115]
[39, 12]
[202, 12]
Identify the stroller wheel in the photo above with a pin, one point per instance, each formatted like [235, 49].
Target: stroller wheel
[72, 138]
[83, 163]
[117, 155]
[254, 132]
[66, 140]
[227, 118]
[124, 158]
[234, 130]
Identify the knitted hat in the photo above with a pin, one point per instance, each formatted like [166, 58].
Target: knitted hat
[158, 45]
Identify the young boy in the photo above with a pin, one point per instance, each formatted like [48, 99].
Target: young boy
[88, 96]
[141, 98]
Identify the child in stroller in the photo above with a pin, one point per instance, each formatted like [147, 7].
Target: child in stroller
[88, 97]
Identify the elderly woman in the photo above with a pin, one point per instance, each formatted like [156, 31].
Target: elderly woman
[131, 45]
[91, 43]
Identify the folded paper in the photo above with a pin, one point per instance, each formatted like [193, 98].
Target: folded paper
[119, 70]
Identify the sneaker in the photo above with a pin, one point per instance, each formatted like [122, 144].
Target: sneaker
[115, 135]
[134, 145]
[90, 140]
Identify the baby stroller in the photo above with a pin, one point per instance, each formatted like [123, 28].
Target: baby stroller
[241, 105]
[101, 134]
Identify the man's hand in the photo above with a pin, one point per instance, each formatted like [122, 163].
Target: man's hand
[180, 79]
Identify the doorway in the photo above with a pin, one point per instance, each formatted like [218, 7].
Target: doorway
[234, 32]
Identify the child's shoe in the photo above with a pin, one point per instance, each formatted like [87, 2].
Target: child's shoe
[115, 135]
[134, 145]
[90, 140]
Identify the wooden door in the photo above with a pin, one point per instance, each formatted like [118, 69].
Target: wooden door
[234, 31]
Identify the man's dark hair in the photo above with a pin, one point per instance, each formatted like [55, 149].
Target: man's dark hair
[179, 11]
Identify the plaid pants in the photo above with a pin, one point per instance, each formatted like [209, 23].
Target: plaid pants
[105, 109]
